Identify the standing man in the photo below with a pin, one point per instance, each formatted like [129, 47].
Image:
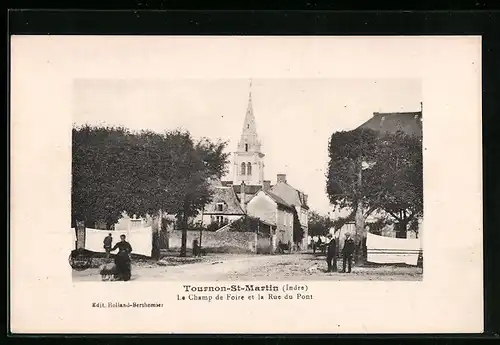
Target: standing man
[108, 240]
[347, 253]
[331, 254]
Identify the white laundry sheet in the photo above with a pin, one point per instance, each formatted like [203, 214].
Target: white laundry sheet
[389, 250]
[72, 236]
[141, 240]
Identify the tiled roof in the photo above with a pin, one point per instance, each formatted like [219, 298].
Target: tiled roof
[410, 123]
[290, 195]
[248, 197]
[249, 189]
[252, 190]
[278, 200]
[249, 192]
[226, 196]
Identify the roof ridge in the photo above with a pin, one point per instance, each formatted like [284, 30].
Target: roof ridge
[289, 185]
[277, 198]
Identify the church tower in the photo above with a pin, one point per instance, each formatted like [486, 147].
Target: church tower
[248, 162]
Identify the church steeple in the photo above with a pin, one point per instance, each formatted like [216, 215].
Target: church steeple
[248, 158]
[249, 141]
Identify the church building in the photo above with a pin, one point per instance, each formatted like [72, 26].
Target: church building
[231, 197]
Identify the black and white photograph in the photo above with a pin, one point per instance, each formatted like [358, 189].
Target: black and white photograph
[232, 184]
[233, 179]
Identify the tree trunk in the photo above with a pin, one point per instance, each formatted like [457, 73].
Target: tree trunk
[183, 237]
[184, 233]
[156, 228]
[360, 237]
[165, 233]
[401, 229]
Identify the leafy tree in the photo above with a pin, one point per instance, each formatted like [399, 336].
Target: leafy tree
[246, 224]
[370, 171]
[378, 225]
[401, 193]
[142, 173]
[339, 222]
[100, 176]
[319, 225]
[213, 226]
[196, 164]
[213, 156]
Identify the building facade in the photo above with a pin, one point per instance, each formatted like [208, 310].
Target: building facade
[224, 208]
[273, 210]
[297, 199]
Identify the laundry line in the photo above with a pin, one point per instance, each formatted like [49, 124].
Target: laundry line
[140, 239]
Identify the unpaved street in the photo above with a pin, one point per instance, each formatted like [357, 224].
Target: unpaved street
[217, 267]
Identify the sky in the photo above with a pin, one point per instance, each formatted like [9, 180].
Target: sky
[295, 117]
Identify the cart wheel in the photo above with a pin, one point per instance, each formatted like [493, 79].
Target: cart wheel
[80, 261]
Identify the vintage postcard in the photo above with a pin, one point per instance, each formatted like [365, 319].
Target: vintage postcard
[238, 184]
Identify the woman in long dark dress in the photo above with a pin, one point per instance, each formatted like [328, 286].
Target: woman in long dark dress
[122, 259]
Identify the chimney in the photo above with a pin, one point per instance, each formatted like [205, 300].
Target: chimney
[281, 178]
[242, 196]
[266, 185]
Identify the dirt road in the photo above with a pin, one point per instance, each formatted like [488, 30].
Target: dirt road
[257, 267]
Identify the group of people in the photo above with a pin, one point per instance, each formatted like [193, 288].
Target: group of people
[347, 253]
[317, 243]
[123, 269]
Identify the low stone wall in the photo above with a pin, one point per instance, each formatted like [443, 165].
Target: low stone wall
[231, 241]
[264, 245]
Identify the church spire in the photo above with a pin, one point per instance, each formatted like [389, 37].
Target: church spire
[250, 107]
[250, 93]
[249, 141]
[248, 163]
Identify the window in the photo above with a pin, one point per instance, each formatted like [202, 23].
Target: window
[242, 171]
[249, 168]
[220, 206]
[248, 126]
[246, 147]
[219, 219]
